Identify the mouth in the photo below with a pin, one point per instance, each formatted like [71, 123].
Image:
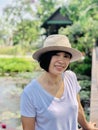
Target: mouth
[59, 67]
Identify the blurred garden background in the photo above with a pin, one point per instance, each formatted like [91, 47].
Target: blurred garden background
[21, 33]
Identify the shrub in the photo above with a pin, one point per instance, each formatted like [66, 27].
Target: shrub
[9, 65]
[82, 67]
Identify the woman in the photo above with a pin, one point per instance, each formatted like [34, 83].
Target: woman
[51, 101]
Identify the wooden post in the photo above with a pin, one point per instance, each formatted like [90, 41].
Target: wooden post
[94, 88]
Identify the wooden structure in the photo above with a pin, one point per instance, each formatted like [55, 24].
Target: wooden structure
[94, 87]
[55, 22]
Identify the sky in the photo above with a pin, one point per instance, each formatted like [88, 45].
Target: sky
[4, 3]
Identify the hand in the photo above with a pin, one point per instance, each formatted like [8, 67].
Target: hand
[80, 129]
[91, 126]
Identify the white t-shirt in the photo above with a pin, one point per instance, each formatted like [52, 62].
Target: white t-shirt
[52, 113]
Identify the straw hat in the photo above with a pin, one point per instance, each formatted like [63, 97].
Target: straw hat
[58, 42]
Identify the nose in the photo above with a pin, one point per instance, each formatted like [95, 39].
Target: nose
[61, 59]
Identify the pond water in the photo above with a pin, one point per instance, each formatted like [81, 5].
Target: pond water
[10, 91]
[9, 103]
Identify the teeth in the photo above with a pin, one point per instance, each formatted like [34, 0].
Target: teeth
[59, 66]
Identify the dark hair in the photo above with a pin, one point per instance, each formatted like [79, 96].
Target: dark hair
[45, 58]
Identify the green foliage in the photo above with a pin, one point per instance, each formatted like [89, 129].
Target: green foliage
[10, 65]
[85, 84]
[85, 94]
[45, 9]
[17, 50]
[83, 67]
[26, 33]
[84, 30]
[16, 12]
[10, 50]
[20, 22]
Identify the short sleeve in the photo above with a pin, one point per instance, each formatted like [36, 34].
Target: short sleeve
[78, 87]
[26, 106]
[72, 78]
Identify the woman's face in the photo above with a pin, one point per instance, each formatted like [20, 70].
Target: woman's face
[59, 63]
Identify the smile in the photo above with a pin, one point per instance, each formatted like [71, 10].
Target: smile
[59, 67]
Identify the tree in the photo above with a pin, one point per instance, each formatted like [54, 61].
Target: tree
[23, 25]
[84, 30]
[26, 32]
[18, 11]
[83, 33]
[45, 8]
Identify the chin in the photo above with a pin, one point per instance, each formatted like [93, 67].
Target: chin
[59, 73]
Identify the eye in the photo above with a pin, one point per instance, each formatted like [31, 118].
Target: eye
[56, 54]
[67, 56]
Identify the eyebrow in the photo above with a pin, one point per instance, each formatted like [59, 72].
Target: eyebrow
[66, 53]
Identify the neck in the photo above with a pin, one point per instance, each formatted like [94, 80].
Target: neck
[52, 84]
[52, 79]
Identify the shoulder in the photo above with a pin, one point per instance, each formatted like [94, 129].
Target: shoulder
[70, 74]
[30, 87]
[72, 78]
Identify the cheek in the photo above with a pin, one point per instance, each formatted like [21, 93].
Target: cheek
[67, 65]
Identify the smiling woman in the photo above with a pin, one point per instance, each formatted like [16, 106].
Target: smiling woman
[52, 99]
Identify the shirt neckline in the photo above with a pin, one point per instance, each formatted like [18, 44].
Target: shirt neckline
[50, 95]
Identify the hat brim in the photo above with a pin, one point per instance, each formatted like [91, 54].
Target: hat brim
[76, 55]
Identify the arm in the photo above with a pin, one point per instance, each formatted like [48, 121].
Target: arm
[28, 123]
[82, 120]
[81, 116]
